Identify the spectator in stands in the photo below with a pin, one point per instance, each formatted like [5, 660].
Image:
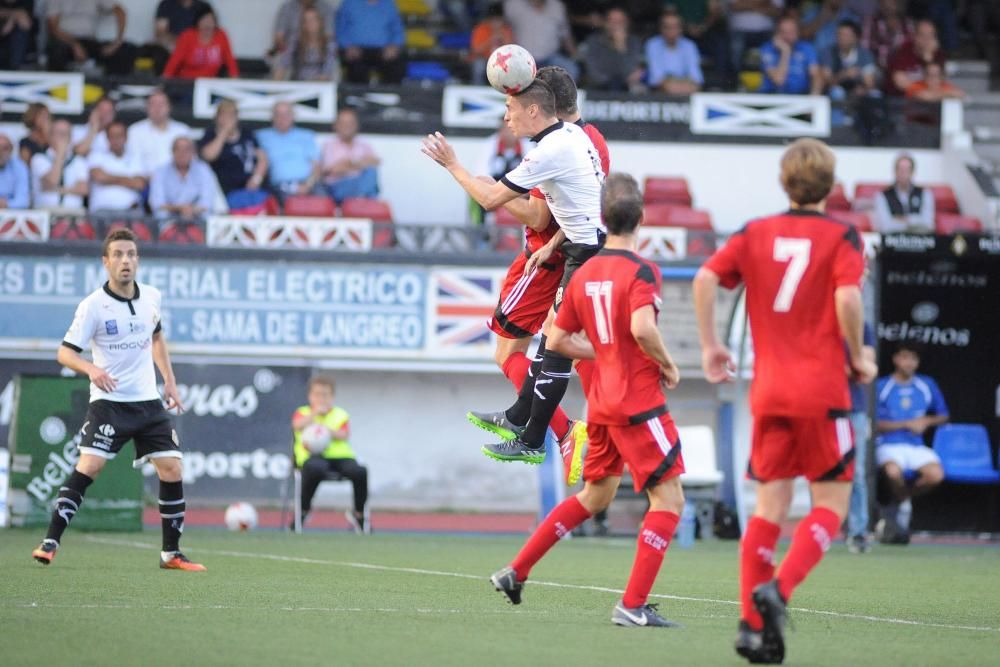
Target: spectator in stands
[16, 25]
[542, 28]
[885, 31]
[945, 17]
[857, 518]
[705, 23]
[907, 405]
[751, 24]
[238, 161]
[934, 87]
[15, 188]
[292, 153]
[183, 188]
[73, 28]
[151, 139]
[202, 51]
[906, 64]
[493, 31]
[790, 64]
[117, 178]
[311, 54]
[38, 121]
[613, 56]
[337, 457]
[673, 60]
[288, 21]
[849, 68]
[93, 136]
[904, 207]
[819, 23]
[348, 163]
[371, 38]
[59, 177]
[172, 18]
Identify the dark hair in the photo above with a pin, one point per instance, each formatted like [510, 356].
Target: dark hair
[323, 380]
[539, 92]
[848, 23]
[117, 122]
[495, 10]
[203, 11]
[563, 87]
[908, 346]
[120, 234]
[621, 203]
[31, 114]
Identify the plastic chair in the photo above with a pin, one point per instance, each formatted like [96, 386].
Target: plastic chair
[951, 223]
[837, 199]
[965, 453]
[859, 220]
[945, 200]
[310, 206]
[182, 232]
[701, 477]
[377, 211]
[72, 229]
[666, 190]
[865, 193]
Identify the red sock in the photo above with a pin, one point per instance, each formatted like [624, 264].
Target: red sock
[560, 522]
[756, 564]
[585, 369]
[811, 540]
[516, 369]
[654, 538]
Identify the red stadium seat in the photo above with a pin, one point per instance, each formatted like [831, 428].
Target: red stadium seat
[666, 190]
[142, 229]
[181, 233]
[311, 206]
[72, 229]
[837, 200]
[377, 211]
[951, 223]
[856, 218]
[944, 199]
[657, 214]
[672, 215]
[865, 193]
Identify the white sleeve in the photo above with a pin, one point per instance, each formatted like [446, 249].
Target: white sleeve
[538, 166]
[82, 330]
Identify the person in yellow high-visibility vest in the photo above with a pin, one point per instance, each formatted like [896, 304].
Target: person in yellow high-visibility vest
[337, 457]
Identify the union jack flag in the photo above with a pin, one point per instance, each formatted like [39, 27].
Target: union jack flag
[463, 301]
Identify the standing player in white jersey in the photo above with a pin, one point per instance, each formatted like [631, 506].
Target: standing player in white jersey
[120, 322]
[565, 166]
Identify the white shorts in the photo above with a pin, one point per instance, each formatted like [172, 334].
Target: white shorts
[907, 457]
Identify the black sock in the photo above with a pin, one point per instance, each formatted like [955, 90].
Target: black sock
[549, 391]
[521, 410]
[68, 504]
[172, 514]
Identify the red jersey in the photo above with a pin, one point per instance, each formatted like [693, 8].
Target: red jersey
[535, 240]
[192, 59]
[791, 264]
[600, 300]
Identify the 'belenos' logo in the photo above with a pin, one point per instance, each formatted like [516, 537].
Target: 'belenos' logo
[106, 430]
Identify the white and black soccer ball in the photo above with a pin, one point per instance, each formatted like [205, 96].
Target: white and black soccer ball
[511, 69]
[241, 516]
[316, 438]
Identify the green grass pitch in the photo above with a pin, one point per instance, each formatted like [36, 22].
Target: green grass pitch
[393, 599]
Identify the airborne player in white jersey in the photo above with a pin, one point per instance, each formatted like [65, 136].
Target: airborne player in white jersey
[120, 322]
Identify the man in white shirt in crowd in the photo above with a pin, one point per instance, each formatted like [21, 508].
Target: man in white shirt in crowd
[117, 179]
[59, 177]
[93, 136]
[903, 206]
[151, 139]
[184, 187]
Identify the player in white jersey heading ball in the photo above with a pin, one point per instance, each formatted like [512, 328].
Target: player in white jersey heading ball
[120, 322]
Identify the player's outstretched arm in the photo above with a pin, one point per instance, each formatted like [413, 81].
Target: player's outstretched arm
[647, 335]
[72, 360]
[436, 147]
[161, 357]
[716, 361]
[850, 316]
[569, 345]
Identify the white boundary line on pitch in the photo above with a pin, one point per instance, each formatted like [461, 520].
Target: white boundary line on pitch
[333, 610]
[553, 584]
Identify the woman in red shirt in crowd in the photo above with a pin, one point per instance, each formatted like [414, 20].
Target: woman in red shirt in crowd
[201, 51]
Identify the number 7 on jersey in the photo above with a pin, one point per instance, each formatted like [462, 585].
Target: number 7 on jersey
[796, 253]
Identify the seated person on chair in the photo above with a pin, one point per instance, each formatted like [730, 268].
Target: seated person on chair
[321, 448]
[908, 405]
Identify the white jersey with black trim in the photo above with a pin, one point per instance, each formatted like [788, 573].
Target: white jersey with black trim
[565, 166]
[119, 332]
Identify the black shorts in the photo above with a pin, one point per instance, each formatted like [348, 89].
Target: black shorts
[110, 424]
[577, 255]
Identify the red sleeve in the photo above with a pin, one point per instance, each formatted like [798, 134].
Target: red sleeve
[849, 262]
[536, 193]
[568, 319]
[179, 56]
[227, 56]
[645, 288]
[725, 263]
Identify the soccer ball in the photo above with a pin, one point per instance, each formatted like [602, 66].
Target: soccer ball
[241, 516]
[316, 438]
[511, 69]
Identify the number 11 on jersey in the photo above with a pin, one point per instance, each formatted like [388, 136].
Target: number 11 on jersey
[796, 253]
[600, 295]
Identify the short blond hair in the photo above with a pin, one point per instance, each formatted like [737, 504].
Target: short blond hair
[807, 171]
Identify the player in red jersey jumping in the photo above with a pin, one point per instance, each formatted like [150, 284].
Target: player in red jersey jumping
[530, 286]
[802, 272]
[614, 299]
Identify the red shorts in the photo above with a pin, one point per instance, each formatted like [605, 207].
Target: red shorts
[525, 300]
[821, 449]
[650, 448]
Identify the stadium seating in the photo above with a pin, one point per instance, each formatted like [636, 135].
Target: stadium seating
[182, 232]
[673, 215]
[666, 190]
[376, 210]
[858, 219]
[310, 206]
[837, 200]
[865, 193]
[965, 453]
[143, 229]
[944, 199]
[951, 223]
[72, 229]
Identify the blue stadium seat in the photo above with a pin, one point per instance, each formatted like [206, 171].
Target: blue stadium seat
[426, 70]
[965, 453]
